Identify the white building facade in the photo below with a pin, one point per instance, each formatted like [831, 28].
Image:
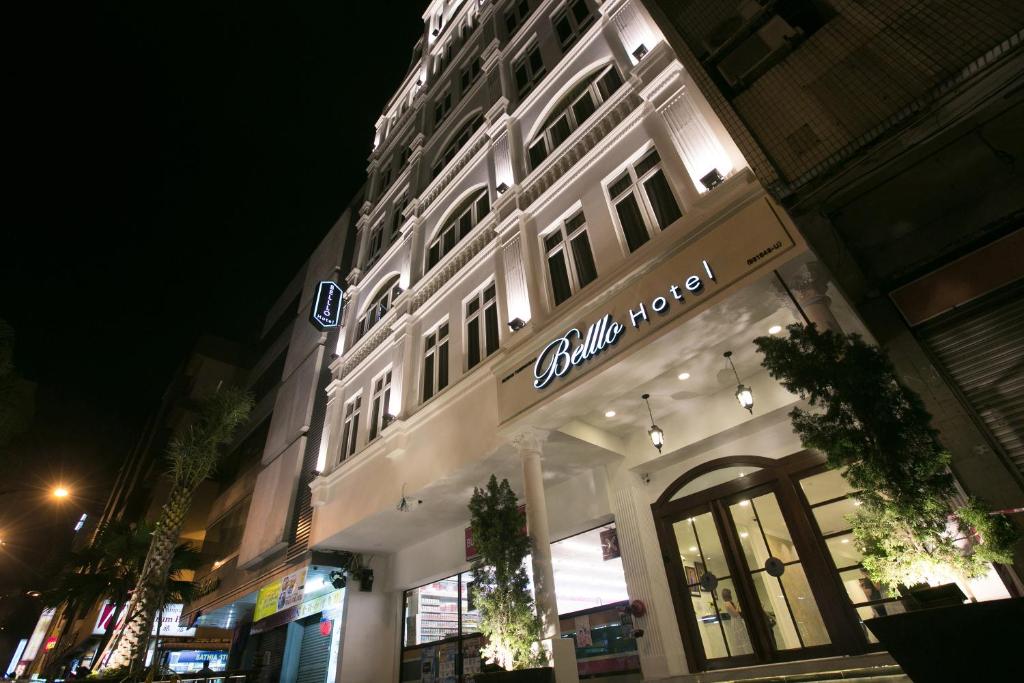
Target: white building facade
[557, 225]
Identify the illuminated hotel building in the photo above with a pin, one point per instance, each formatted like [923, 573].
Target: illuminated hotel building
[556, 224]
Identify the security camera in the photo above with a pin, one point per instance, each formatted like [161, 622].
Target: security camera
[338, 579]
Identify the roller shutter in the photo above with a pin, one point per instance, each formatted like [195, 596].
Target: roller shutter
[316, 649]
[981, 348]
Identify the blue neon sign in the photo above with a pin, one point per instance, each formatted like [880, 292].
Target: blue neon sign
[327, 305]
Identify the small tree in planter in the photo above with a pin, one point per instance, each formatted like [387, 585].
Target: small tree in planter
[500, 587]
[878, 433]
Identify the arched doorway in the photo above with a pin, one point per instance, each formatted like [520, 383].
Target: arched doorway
[753, 577]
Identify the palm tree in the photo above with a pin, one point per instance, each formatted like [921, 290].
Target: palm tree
[193, 456]
[109, 568]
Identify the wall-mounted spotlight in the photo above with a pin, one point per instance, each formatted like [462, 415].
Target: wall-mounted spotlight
[712, 179]
[516, 324]
[657, 436]
[743, 393]
[338, 579]
[640, 52]
[502, 188]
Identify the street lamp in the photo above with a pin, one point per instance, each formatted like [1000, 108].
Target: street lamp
[60, 492]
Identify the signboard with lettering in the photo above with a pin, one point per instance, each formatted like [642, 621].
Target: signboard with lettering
[280, 594]
[677, 287]
[328, 304]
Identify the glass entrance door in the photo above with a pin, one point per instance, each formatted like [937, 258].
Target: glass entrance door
[742, 594]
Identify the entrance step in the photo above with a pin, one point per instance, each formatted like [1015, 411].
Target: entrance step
[870, 668]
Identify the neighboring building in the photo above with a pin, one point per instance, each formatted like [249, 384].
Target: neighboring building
[139, 492]
[272, 594]
[558, 223]
[894, 132]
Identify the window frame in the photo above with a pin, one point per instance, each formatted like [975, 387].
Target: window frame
[578, 26]
[567, 253]
[455, 144]
[451, 226]
[534, 74]
[484, 307]
[386, 295]
[518, 17]
[380, 397]
[441, 112]
[434, 344]
[637, 188]
[470, 74]
[350, 425]
[593, 89]
[375, 245]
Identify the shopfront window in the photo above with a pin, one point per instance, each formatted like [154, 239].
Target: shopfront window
[832, 501]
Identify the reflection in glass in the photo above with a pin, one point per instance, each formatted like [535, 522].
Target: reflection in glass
[804, 607]
[844, 550]
[833, 516]
[827, 485]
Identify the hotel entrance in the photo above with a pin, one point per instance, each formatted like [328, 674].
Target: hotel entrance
[749, 569]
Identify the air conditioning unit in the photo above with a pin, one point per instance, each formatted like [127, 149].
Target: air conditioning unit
[765, 44]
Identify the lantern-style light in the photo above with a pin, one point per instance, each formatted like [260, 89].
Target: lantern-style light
[744, 394]
[657, 436]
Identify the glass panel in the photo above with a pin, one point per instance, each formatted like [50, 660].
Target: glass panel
[432, 612]
[732, 619]
[609, 83]
[428, 377]
[843, 550]
[473, 343]
[470, 613]
[491, 329]
[580, 11]
[536, 63]
[538, 153]
[827, 485]
[706, 481]
[473, 305]
[465, 224]
[583, 259]
[583, 108]
[588, 570]
[773, 604]
[560, 130]
[575, 221]
[647, 163]
[832, 517]
[442, 366]
[862, 589]
[553, 240]
[762, 530]
[804, 607]
[632, 221]
[483, 206]
[664, 204]
[619, 186]
[559, 277]
[563, 27]
[448, 238]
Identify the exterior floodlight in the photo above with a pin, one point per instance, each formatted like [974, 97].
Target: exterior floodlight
[640, 52]
[712, 180]
[516, 324]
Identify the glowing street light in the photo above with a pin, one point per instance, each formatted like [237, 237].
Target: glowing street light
[60, 492]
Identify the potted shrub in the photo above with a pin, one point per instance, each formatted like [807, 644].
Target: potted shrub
[508, 618]
[877, 432]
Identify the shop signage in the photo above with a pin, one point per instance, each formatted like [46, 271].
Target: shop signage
[36, 639]
[280, 594]
[327, 305]
[574, 347]
[50, 643]
[103, 620]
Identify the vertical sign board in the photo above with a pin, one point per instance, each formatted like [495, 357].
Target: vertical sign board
[328, 302]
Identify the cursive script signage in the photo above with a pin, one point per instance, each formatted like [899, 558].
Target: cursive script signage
[327, 305]
[574, 347]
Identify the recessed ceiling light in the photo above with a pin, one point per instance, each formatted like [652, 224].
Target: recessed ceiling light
[693, 548]
[743, 534]
[744, 503]
[684, 375]
[845, 540]
[775, 329]
[609, 413]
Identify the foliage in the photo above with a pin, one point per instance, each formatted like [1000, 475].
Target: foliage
[500, 585]
[878, 433]
[193, 454]
[17, 395]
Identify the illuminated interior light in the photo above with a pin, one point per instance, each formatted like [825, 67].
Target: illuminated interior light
[775, 329]
[684, 376]
[609, 413]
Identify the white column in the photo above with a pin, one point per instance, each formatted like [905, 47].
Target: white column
[528, 443]
[814, 299]
[516, 291]
[661, 647]
[696, 141]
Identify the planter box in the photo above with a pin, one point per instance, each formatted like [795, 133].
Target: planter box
[541, 675]
[978, 641]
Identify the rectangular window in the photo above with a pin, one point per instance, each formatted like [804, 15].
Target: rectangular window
[379, 404]
[470, 75]
[376, 245]
[442, 106]
[528, 71]
[397, 210]
[350, 433]
[515, 17]
[571, 22]
[435, 361]
[481, 325]
[643, 200]
[570, 258]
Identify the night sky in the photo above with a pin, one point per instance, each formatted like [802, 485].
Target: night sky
[173, 165]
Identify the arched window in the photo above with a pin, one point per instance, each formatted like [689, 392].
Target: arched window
[458, 224]
[380, 304]
[457, 142]
[572, 111]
